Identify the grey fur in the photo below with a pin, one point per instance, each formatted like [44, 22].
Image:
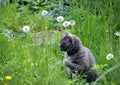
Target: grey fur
[78, 58]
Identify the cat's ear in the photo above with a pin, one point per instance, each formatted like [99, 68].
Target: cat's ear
[66, 34]
[70, 37]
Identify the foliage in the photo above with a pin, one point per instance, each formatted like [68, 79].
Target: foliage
[27, 62]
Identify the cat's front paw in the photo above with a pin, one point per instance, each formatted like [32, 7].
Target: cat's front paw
[66, 62]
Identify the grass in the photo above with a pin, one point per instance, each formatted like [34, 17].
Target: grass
[31, 64]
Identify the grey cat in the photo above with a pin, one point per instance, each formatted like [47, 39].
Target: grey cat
[78, 58]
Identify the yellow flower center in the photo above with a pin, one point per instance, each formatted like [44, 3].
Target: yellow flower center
[8, 77]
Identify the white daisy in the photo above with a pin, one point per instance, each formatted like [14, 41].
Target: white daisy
[26, 28]
[72, 22]
[60, 19]
[66, 23]
[44, 13]
[109, 56]
[117, 34]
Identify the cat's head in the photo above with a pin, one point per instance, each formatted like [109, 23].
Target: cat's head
[70, 43]
[66, 42]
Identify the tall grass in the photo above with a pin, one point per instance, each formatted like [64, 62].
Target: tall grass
[31, 64]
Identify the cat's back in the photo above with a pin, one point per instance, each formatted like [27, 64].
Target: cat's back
[90, 56]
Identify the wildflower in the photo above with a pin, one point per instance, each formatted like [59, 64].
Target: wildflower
[109, 56]
[117, 34]
[44, 13]
[60, 19]
[8, 77]
[72, 22]
[26, 29]
[66, 23]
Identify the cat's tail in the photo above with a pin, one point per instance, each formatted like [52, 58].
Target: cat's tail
[92, 75]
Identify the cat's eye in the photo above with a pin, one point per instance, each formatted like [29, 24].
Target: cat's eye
[67, 39]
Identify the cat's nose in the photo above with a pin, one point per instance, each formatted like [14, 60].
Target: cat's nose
[61, 47]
